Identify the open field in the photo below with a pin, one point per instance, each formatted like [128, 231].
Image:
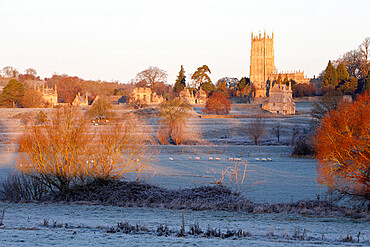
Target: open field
[284, 179]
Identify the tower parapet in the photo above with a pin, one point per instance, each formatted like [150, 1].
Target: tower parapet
[262, 68]
[262, 62]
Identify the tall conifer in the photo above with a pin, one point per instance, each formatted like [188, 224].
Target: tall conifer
[330, 77]
[12, 93]
[342, 74]
[180, 83]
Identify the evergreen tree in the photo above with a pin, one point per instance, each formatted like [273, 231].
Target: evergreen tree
[244, 81]
[12, 93]
[180, 83]
[342, 74]
[208, 87]
[330, 78]
[201, 76]
[348, 86]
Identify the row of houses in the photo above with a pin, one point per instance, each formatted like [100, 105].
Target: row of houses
[142, 94]
[280, 99]
[147, 96]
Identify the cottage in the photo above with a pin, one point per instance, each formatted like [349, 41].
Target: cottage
[145, 95]
[79, 100]
[200, 97]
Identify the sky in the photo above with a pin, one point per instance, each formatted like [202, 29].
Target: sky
[114, 40]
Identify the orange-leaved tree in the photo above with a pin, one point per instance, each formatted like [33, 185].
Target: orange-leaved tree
[68, 150]
[217, 103]
[343, 148]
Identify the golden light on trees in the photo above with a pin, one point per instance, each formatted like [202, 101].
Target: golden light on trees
[343, 148]
[69, 150]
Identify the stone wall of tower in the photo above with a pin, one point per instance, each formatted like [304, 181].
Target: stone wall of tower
[262, 62]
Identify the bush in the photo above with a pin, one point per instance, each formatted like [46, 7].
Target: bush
[304, 147]
[343, 148]
[67, 150]
[19, 187]
[217, 104]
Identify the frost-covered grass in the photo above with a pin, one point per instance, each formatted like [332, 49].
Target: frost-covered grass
[284, 179]
[287, 180]
[85, 225]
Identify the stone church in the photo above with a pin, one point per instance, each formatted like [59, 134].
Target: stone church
[262, 68]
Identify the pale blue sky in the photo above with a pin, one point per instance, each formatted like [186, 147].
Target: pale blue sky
[114, 40]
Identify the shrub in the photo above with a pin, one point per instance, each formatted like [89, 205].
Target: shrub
[19, 187]
[217, 104]
[68, 150]
[304, 147]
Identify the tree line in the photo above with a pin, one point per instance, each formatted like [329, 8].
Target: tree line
[350, 73]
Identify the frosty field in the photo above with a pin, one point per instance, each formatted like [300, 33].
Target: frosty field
[81, 225]
[283, 179]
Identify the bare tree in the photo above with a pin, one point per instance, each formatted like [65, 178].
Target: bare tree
[10, 72]
[276, 131]
[69, 150]
[151, 76]
[120, 151]
[32, 99]
[31, 71]
[173, 114]
[353, 62]
[295, 132]
[365, 50]
[257, 129]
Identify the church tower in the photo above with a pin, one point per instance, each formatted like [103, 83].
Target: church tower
[262, 62]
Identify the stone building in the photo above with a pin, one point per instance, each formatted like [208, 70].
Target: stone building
[199, 97]
[262, 68]
[297, 76]
[49, 95]
[145, 94]
[280, 100]
[80, 100]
